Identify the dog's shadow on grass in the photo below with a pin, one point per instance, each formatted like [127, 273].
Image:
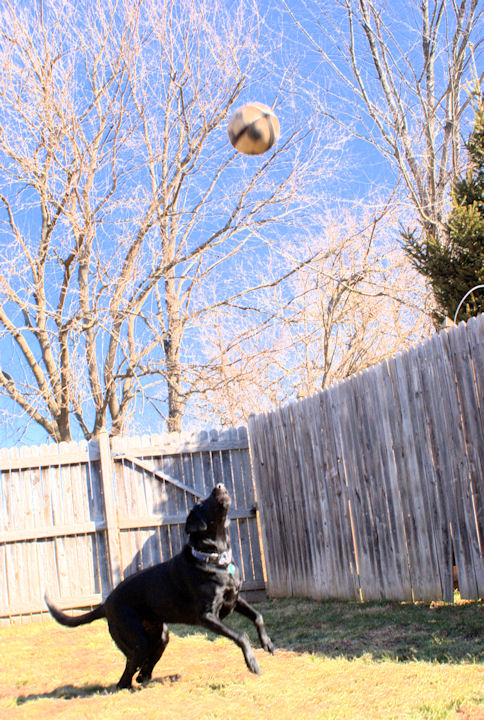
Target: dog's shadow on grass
[72, 692]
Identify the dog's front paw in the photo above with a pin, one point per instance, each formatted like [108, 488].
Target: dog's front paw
[267, 644]
[252, 663]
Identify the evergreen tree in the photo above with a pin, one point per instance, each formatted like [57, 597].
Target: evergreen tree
[455, 268]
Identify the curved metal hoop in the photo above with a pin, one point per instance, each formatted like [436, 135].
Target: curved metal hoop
[465, 296]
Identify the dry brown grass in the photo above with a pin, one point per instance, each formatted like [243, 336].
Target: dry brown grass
[53, 672]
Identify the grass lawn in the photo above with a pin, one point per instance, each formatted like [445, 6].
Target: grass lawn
[333, 660]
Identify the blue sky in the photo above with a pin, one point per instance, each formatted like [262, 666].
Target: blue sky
[356, 172]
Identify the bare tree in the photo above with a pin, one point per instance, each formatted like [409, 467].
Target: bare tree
[120, 199]
[357, 302]
[404, 76]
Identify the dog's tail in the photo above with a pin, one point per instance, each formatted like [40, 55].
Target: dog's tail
[74, 620]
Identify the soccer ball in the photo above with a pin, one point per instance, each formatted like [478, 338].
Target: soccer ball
[253, 129]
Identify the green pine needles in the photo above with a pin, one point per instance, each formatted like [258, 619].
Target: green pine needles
[456, 267]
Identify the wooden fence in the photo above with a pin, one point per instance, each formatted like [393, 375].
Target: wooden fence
[374, 488]
[76, 518]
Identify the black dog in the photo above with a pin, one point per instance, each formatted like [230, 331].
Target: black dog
[199, 586]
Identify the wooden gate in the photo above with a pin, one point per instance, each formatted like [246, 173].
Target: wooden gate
[155, 491]
[77, 518]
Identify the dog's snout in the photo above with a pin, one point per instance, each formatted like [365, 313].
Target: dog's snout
[221, 494]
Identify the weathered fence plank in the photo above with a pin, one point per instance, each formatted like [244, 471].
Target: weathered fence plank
[391, 528]
[341, 519]
[470, 482]
[110, 512]
[258, 452]
[374, 487]
[437, 414]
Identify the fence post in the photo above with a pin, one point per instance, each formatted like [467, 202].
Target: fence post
[112, 530]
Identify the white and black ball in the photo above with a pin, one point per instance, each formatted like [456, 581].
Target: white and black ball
[253, 129]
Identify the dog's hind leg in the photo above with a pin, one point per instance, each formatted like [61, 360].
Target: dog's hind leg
[126, 678]
[133, 639]
[159, 643]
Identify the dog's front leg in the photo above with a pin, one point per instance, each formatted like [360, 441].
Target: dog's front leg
[213, 623]
[243, 608]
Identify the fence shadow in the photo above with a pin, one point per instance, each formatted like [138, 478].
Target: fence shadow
[402, 632]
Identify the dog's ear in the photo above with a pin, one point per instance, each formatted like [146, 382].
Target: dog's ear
[195, 521]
